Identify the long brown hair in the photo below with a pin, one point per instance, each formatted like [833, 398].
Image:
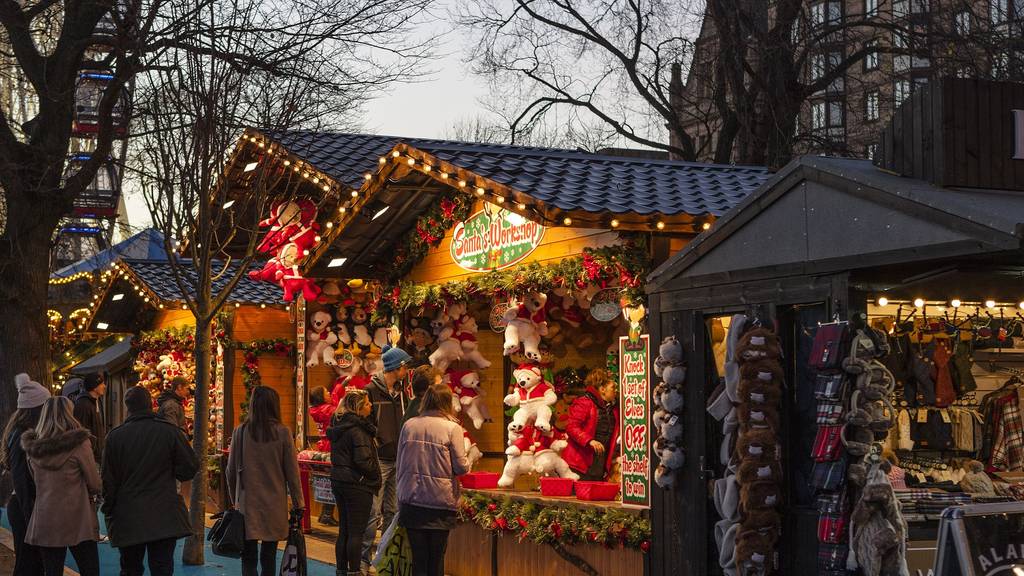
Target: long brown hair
[23, 419]
[264, 414]
[57, 418]
[439, 398]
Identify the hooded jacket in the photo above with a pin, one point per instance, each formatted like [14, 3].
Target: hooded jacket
[322, 415]
[353, 453]
[143, 458]
[388, 411]
[582, 426]
[87, 413]
[171, 407]
[66, 477]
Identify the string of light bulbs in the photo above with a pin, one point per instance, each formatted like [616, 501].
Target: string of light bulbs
[989, 304]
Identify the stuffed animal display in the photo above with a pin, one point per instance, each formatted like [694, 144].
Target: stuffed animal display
[448, 348]
[532, 450]
[668, 411]
[466, 387]
[526, 324]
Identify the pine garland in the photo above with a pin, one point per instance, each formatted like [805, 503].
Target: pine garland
[556, 524]
[623, 265]
[251, 364]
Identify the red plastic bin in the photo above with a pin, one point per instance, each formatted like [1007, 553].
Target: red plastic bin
[595, 491]
[551, 486]
[479, 480]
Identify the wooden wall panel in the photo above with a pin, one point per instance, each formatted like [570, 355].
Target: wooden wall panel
[165, 319]
[255, 323]
[278, 373]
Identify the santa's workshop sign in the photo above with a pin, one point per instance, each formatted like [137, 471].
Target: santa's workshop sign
[634, 406]
[494, 239]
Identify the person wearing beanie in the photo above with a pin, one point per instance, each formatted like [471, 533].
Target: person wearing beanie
[387, 395]
[142, 460]
[28, 560]
[87, 412]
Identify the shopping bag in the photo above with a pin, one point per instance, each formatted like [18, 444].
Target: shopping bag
[293, 563]
[227, 537]
[394, 555]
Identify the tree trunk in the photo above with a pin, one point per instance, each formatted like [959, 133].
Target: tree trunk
[24, 267]
[194, 552]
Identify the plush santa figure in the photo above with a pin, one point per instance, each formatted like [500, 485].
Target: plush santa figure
[533, 396]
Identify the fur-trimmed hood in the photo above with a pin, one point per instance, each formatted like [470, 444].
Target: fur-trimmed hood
[52, 452]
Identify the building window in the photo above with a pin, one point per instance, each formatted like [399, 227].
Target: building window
[829, 12]
[962, 23]
[871, 57]
[817, 66]
[900, 8]
[901, 91]
[871, 103]
[919, 6]
[818, 116]
[870, 8]
[997, 11]
[871, 151]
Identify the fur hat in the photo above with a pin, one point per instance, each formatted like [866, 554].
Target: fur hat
[759, 392]
[664, 477]
[759, 495]
[751, 471]
[758, 444]
[857, 440]
[755, 551]
[763, 370]
[758, 416]
[766, 519]
[758, 343]
[92, 381]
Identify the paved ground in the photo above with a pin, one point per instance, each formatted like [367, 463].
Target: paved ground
[317, 548]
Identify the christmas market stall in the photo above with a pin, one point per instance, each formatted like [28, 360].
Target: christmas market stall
[254, 343]
[517, 274]
[855, 344]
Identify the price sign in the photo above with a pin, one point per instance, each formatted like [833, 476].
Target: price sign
[635, 431]
[322, 489]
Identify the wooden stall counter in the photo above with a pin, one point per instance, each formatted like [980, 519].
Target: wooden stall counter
[609, 530]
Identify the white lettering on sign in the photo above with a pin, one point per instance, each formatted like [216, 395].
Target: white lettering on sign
[1018, 134]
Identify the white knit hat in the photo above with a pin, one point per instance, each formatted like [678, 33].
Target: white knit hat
[30, 394]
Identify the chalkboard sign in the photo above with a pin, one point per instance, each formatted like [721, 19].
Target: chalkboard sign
[322, 492]
[981, 540]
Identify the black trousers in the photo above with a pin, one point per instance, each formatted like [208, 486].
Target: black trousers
[161, 558]
[262, 554]
[86, 554]
[28, 560]
[428, 547]
[354, 507]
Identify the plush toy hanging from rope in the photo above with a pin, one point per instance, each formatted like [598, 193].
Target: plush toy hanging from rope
[293, 232]
[668, 413]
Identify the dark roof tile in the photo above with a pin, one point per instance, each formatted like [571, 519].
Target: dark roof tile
[159, 277]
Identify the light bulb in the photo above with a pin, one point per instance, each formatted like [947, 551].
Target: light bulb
[411, 161]
[660, 225]
[567, 221]
[990, 303]
[480, 191]
[883, 301]
[919, 302]
[955, 303]
[395, 154]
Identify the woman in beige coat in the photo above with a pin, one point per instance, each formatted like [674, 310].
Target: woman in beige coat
[60, 456]
[261, 479]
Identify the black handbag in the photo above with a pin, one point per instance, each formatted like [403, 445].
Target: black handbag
[227, 537]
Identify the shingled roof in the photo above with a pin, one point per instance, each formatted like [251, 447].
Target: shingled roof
[568, 180]
[158, 276]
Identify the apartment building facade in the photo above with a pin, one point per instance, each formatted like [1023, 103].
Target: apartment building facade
[899, 46]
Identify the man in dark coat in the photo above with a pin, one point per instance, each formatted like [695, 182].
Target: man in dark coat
[171, 402]
[88, 413]
[145, 514]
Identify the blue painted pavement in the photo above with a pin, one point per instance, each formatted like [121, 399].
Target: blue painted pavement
[110, 561]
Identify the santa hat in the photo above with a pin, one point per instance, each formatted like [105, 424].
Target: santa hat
[530, 368]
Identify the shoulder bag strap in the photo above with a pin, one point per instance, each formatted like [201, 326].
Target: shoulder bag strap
[241, 452]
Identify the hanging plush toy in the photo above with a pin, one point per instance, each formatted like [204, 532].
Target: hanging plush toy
[448, 349]
[293, 233]
[360, 327]
[418, 339]
[320, 340]
[466, 387]
[465, 333]
[526, 323]
[341, 327]
[473, 452]
[533, 396]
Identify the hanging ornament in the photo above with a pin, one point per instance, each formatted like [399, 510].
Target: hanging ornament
[604, 306]
[497, 317]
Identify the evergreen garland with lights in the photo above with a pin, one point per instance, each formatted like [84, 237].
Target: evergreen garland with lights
[430, 228]
[251, 363]
[555, 524]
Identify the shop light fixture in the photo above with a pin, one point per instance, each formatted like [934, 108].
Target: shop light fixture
[251, 166]
[521, 206]
[411, 161]
[238, 304]
[326, 188]
[567, 221]
[990, 303]
[462, 183]
[706, 226]
[500, 199]
[337, 262]
[395, 154]
[102, 326]
[229, 204]
[660, 225]
[480, 191]
[382, 160]
[263, 305]
[355, 193]
[287, 163]
[427, 168]
[368, 176]
[883, 301]
[330, 224]
[1021, 305]
[955, 303]
[444, 175]
[919, 302]
[615, 223]
[380, 212]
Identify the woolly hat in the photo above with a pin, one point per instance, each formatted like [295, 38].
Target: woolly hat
[394, 358]
[30, 394]
[92, 381]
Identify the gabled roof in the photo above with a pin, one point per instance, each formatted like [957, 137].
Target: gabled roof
[107, 358]
[146, 245]
[829, 214]
[158, 276]
[566, 181]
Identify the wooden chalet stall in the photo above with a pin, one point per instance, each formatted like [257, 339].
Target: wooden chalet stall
[253, 340]
[934, 269]
[420, 234]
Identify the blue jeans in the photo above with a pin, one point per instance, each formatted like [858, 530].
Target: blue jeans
[385, 506]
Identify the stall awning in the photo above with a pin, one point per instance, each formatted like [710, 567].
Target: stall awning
[826, 214]
[107, 359]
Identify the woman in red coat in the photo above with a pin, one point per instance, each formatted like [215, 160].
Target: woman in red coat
[321, 409]
[593, 428]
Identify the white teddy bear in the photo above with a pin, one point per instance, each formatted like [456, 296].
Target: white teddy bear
[533, 396]
[473, 452]
[466, 387]
[448, 349]
[527, 322]
[465, 333]
[320, 339]
[547, 459]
